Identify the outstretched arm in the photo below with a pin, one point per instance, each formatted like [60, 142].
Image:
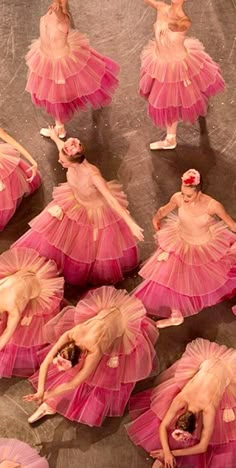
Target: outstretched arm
[63, 340]
[91, 362]
[217, 209]
[8, 139]
[101, 185]
[54, 137]
[12, 322]
[153, 3]
[164, 211]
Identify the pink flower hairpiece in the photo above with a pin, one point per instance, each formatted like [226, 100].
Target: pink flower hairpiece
[191, 177]
[72, 147]
[180, 435]
[62, 363]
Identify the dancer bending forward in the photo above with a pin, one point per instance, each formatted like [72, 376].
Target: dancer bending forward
[86, 229]
[65, 73]
[194, 265]
[190, 417]
[17, 178]
[30, 295]
[110, 345]
[177, 76]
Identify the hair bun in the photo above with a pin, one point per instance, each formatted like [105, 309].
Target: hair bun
[191, 177]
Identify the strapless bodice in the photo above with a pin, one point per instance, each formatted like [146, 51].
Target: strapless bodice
[17, 290]
[80, 179]
[101, 330]
[167, 39]
[194, 229]
[53, 35]
[208, 384]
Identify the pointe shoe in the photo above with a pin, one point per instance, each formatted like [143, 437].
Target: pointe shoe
[46, 132]
[172, 321]
[43, 410]
[167, 144]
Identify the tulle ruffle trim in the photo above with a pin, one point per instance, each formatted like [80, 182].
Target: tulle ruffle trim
[19, 452]
[51, 286]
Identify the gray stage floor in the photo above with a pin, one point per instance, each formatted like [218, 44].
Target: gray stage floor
[117, 141]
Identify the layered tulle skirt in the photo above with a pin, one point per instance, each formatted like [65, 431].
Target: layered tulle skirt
[188, 277]
[148, 408]
[14, 183]
[178, 89]
[129, 359]
[20, 454]
[19, 356]
[89, 245]
[80, 78]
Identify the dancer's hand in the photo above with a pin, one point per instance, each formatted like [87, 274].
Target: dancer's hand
[157, 454]
[137, 231]
[169, 461]
[33, 169]
[156, 223]
[53, 133]
[37, 397]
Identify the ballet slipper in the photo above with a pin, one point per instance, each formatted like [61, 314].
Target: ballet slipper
[167, 144]
[43, 410]
[175, 320]
[61, 132]
[56, 212]
[10, 464]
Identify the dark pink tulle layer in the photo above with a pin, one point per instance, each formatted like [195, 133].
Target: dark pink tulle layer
[16, 185]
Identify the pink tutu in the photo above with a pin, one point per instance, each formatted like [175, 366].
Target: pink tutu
[72, 81]
[149, 408]
[89, 245]
[185, 276]
[19, 455]
[106, 391]
[19, 356]
[178, 88]
[13, 182]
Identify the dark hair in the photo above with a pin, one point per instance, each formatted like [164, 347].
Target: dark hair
[186, 422]
[71, 352]
[78, 158]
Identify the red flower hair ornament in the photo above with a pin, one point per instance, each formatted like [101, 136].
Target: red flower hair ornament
[191, 177]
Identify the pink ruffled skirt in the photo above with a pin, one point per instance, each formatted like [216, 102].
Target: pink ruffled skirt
[178, 89]
[148, 409]
[106, 391]
[89, 245]
[19, 357]
[21, 454]
[70, 83]
[13, 182]
[188, 277]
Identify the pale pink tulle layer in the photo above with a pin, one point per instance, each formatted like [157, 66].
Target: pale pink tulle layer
[19, 357]
[80, 78]
[90, 245]
[147, 409]
[191, 277]
[179, 89]
[107, 390]
[19, 452]
[13, 176]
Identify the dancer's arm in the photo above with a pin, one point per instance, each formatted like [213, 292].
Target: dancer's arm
[8, 139]
[12, 322]
[63, 340]
[176, 405]
[91, 362]
[207, 430]
[164, 211]
[215, 208]
[153, 3]
[54, 137]
[101, 185]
